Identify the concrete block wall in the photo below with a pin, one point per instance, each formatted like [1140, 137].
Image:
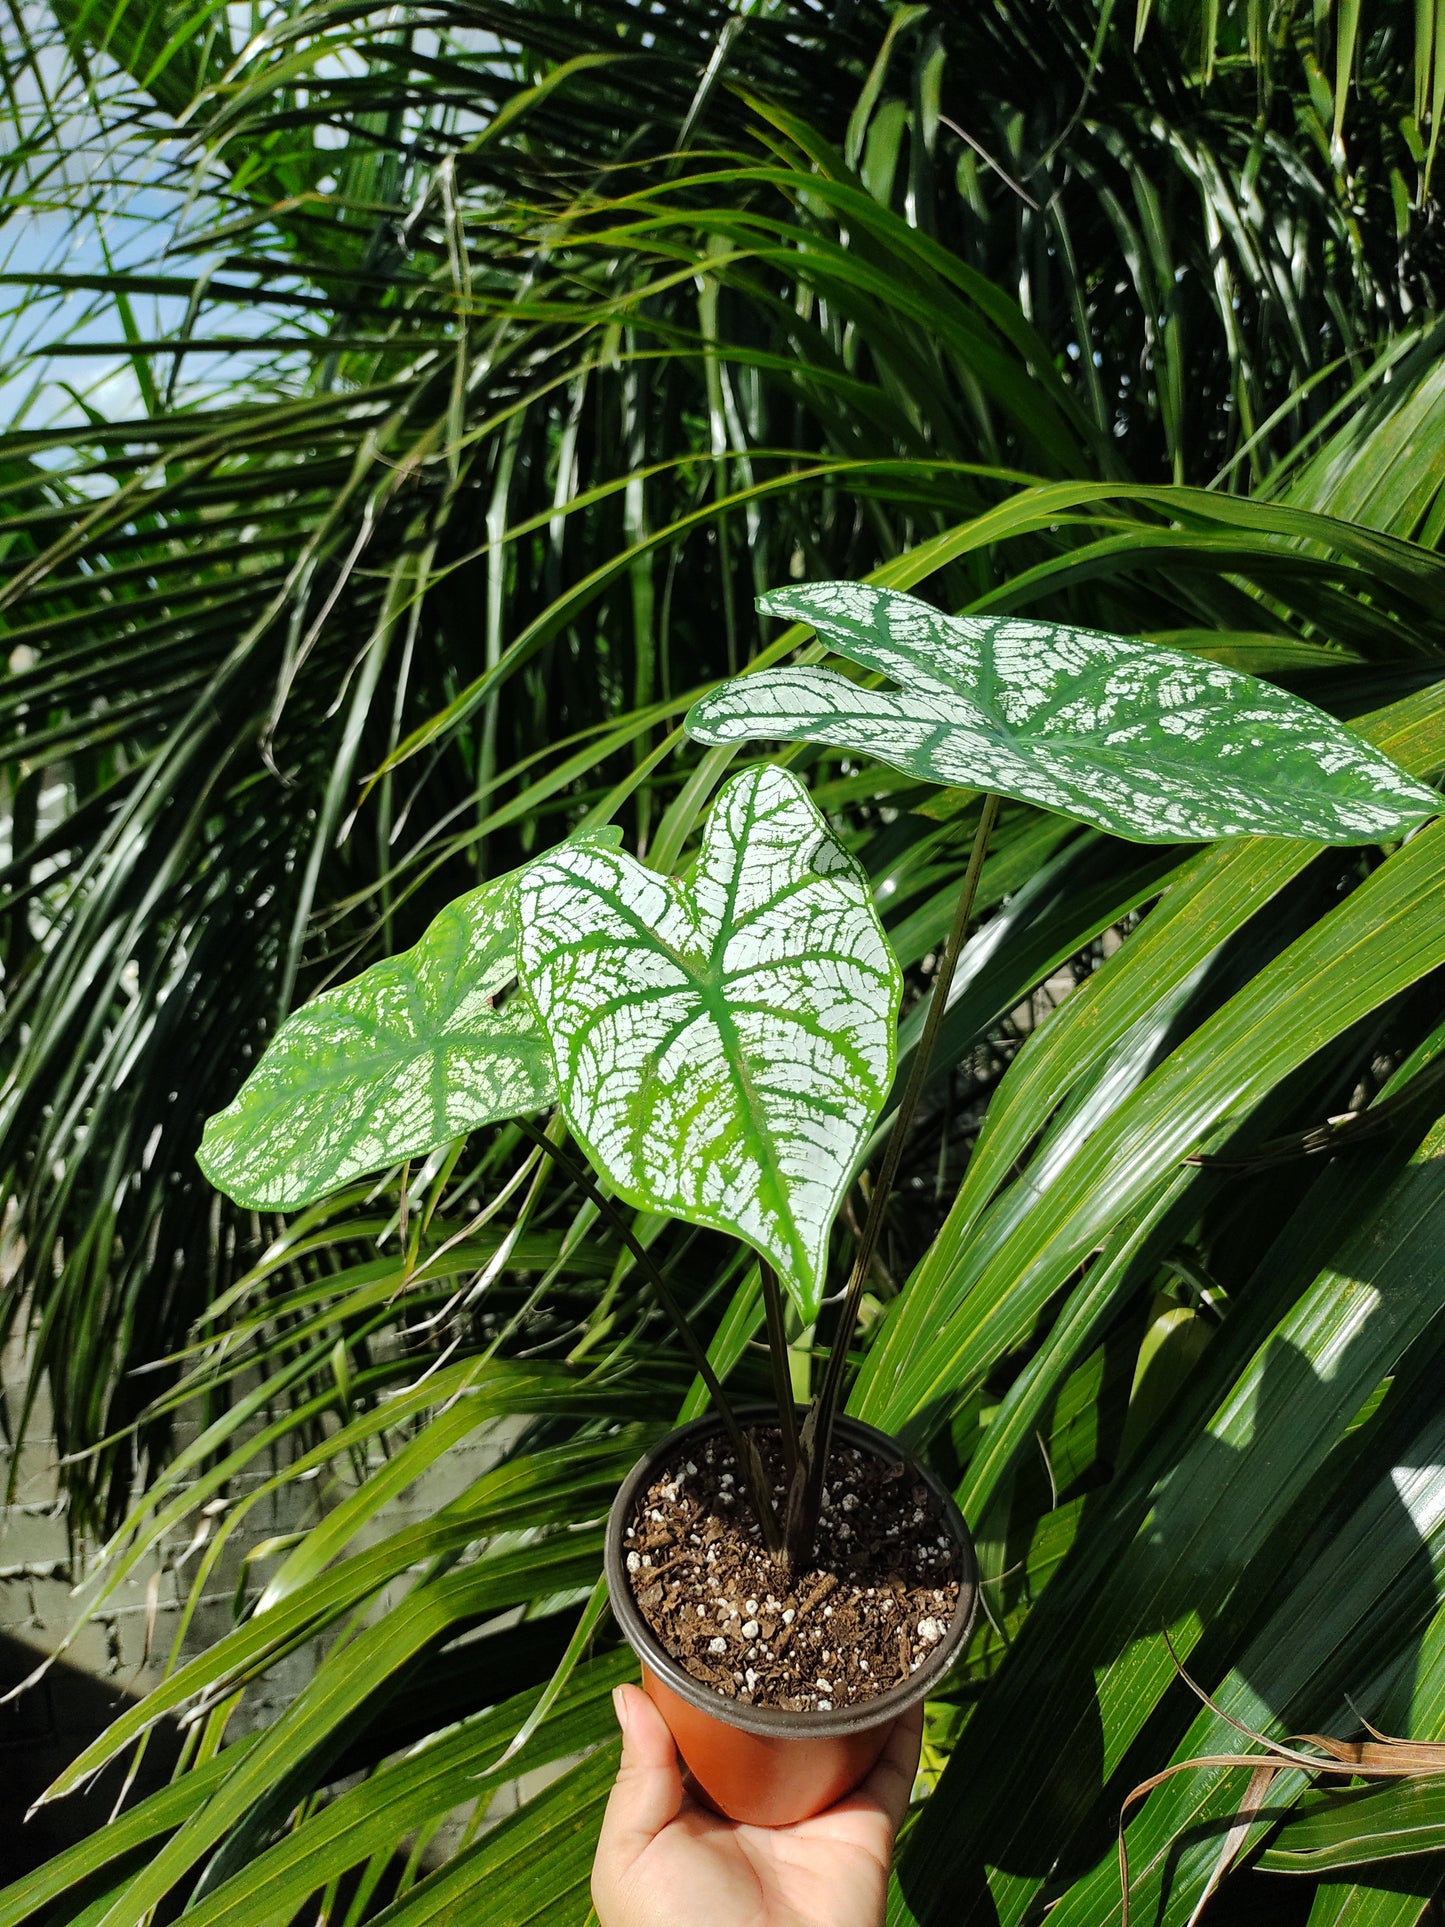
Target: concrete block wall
[43, 1729]
[117, 1656]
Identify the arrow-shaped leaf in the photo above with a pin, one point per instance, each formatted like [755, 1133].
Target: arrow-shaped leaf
[407, 1056]
[722, 1045]
[1145, 742]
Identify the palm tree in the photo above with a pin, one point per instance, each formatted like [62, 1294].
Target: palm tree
[476, 366]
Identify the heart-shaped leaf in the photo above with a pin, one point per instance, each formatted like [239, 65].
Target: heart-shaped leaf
[407, 1056]
[722, 1045]
[1145, 742]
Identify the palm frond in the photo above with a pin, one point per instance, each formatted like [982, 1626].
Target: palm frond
[406, 410]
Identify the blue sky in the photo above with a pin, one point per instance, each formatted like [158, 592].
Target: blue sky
[102, 193]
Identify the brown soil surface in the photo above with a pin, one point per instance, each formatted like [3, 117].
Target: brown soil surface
[881, 1595]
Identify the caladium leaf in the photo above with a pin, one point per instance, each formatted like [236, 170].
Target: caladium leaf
[1145, 742]
[407, 1056]
[722, 1045]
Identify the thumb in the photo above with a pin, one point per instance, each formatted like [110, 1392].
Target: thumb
[648, 1792]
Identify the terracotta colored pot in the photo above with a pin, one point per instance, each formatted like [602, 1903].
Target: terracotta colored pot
[762, 1765]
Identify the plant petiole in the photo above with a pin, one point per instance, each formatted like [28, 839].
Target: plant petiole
[825, 1405]
[744, 1446]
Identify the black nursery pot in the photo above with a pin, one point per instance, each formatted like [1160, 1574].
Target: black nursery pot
[766, 1766]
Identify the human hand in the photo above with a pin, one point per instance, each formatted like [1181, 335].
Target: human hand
[665, 1860]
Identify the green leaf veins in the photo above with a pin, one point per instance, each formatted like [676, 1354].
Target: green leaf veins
[408, 1055]
[722, 1045]
[1142, 741]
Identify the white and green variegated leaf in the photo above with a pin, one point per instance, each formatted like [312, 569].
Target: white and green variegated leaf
[722, 1045]
[412, 1053]
[1145, 742]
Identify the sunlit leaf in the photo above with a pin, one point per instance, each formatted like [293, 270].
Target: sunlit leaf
[722, 1045]
[1142, 741]
[1331, 1830]
[410, 1054]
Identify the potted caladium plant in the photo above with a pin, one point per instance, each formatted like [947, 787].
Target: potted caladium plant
[719, 1047]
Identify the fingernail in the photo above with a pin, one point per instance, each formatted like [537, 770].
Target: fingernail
[619, 1707]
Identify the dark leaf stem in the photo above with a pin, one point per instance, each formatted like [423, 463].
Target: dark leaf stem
[826, 1403]
[778, 1355]
[745, 1449]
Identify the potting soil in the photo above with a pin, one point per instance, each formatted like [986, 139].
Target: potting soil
[879, 1597]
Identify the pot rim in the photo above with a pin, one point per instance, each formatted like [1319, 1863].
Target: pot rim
[774, 1721]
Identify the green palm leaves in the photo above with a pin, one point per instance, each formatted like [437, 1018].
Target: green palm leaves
[722, 1045]
[1144, 742]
